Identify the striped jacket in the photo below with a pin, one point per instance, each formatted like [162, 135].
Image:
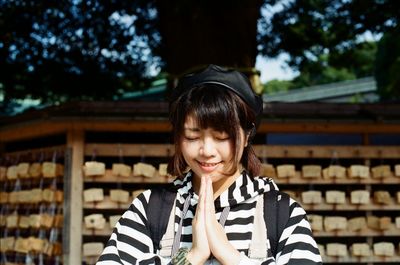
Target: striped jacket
[130, 241]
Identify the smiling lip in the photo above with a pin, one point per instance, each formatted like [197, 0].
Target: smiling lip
[208, 167]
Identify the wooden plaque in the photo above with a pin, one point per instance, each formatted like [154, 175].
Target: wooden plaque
[360, 197]
[23, 170]
[94, 169]
[316, 222]
[121, 170]
[311, 171]
[382, 197]
[384, 249]
[35, 170]
[144, 170]
[12, 172]
[118, 195]
[358, 171]
[361, 250]
[334, 171]
[336, 250]
[95, 221]
[286, 171]
[335, 197]
[92, 249]
[311, 197]
[93, 195]
[268, 170]
[356, 223]
[334, 223]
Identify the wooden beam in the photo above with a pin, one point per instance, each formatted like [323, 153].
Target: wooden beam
[32, 130]
[44, 128]
[50, 127]
[60, 149]
[307, 151]
[141, 150]
[262, 151]
[327, 127]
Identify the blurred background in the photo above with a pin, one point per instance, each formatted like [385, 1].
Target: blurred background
[59, 51]
[84, 89]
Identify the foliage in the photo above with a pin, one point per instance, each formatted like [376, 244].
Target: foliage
[334, 67]
[90, 49]
[324, 38]
[309, 29]
[275, 86]
[388, 66]
[359, 60]
[65, 50]
[327, 75]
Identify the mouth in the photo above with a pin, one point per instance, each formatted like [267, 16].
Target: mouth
[208, 167]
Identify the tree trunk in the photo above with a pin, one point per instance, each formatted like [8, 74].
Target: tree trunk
[197, 33]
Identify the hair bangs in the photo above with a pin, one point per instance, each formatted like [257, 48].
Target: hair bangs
[211, 110]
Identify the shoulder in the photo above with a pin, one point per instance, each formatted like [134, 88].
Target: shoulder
[278, 196]
[159, 197]
[149, 194]
[284, 203]
[142, 197]
[149, 202]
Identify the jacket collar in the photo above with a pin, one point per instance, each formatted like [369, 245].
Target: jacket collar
[241, 190]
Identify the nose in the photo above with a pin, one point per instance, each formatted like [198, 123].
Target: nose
[207, 148]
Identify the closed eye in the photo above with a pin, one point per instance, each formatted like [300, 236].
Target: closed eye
[191, 138]
[222, 138]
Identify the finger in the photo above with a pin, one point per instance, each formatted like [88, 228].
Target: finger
[200, 247]
[203, 185]
[209, 197]
[202, 191]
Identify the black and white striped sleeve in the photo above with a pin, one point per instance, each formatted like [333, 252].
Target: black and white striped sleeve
[130, 241]
[296, 244]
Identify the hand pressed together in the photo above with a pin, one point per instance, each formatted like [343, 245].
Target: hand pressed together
[208, 235]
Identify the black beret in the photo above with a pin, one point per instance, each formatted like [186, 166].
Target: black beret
[233, 80]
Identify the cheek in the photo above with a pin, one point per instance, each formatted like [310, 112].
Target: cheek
[188, 149]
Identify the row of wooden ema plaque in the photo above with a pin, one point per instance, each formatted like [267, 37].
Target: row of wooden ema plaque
[31, 215]
[31, 204]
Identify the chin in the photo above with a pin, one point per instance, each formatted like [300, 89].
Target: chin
[208, 175]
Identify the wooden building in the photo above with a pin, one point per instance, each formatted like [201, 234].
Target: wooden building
[298, 134]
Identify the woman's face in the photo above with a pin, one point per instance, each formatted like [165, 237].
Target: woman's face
[209, 152]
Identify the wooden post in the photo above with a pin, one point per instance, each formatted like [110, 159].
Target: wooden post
[2, 148]
[74, 215]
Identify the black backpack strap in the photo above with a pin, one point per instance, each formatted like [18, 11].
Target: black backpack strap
[158, 211]
[276, 216]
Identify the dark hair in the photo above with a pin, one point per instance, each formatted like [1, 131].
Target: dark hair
[216, 107]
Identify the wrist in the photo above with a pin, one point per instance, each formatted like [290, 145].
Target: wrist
[194, 259]
[229, 257]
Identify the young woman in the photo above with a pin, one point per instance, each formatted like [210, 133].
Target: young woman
[217, 215]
